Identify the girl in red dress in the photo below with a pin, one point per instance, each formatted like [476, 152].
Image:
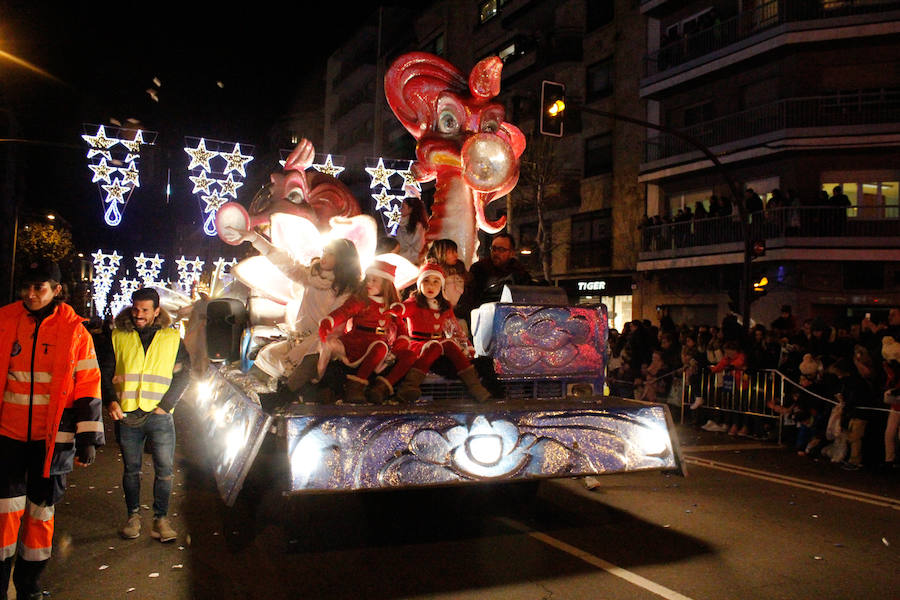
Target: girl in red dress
[427, 326]
[365, 344]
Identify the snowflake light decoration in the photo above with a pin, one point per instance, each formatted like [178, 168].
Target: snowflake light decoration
[389, 198]
[216, 158]
[118, 146]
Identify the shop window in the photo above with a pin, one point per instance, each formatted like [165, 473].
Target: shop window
[591, 240]
[600, 79]
[598, 155]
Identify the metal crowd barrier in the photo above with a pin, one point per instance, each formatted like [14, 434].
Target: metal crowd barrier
[753, 393]
[749, 393]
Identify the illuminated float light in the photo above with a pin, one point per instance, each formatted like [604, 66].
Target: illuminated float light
[235, 440]
[307, 456]
[486, 450]
[652, 440]
[204, 391]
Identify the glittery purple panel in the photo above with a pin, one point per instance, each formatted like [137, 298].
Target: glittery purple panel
[470, 444]
[549, 341]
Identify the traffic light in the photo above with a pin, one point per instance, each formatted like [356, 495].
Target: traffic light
[757, 248]
[553, 106]
[759, 289]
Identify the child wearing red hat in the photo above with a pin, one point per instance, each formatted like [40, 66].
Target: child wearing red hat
[427, 324]
[365, 345]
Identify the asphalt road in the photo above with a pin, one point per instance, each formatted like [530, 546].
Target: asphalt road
[750, 521]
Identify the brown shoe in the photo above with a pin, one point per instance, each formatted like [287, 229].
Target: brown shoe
[132, 527]
[162, 530]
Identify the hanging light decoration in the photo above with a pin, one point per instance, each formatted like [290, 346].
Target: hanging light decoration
[389, 197]
[113, 159]
[213, 162]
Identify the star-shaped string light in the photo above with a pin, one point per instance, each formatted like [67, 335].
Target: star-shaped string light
[130, 175]
[101, 171]
[115, 191]
[229, 186]
[200, 156]
[383, 200]
[393, 217]
[134, 146]
[380, 174]
[328, 167]
[105, 268]
[411, 186]
[201, 182]
[100, 141]
[235, 161]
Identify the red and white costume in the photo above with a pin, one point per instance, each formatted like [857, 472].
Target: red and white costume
[368, 327]
[426, 332]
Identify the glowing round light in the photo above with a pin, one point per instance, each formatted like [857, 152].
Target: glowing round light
[653, 441]
[485, 449]
[488, 162]
[306, 458]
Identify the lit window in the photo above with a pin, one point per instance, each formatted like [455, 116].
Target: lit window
[507, 52]
[487, 11]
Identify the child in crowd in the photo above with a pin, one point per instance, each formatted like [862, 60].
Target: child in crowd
[428, 324]
[365, 346]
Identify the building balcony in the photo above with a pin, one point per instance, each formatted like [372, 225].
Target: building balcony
[772, 125]
[867, 232]
[763, 29]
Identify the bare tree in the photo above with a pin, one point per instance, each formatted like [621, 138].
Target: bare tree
[540, 183]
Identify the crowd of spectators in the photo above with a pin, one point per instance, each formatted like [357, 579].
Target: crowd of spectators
[841, 387]
[781, 213]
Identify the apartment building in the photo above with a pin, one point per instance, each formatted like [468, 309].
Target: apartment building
[797, 96]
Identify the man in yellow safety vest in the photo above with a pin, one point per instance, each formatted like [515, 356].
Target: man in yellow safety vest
[145, 373]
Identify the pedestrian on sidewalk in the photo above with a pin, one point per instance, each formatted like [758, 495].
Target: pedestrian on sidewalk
[50, 418]
[144, 376]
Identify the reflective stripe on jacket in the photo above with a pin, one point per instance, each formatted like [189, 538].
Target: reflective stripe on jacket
[69, 402]
[142, 378]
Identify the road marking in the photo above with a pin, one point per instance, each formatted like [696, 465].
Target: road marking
[596, 561]
[822, 488]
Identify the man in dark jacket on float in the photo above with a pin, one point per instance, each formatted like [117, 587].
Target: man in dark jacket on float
[488, 276]
[146, 370]
[50, 418]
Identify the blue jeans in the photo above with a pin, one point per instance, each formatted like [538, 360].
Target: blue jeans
[160, 430]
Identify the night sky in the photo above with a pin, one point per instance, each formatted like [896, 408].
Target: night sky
[103, 56]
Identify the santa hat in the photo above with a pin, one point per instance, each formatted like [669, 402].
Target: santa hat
[429, 269]
[379, 268]
[890, 348]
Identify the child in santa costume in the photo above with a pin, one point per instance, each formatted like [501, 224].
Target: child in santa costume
[427, 326]
[365, 345]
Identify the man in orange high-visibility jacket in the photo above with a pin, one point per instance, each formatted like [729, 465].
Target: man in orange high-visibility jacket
[50, 417]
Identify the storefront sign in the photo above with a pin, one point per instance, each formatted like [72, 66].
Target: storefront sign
[591, 286]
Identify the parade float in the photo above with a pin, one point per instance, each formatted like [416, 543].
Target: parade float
[549, 417]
